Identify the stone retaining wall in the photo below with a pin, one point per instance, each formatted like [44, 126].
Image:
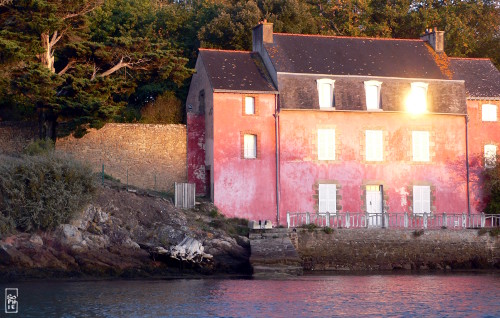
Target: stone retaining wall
[15, 136]
[154, 156]
[382, 249]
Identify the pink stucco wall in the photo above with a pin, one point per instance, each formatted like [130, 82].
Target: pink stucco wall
[244, 187]
[301, 171]
[480, 134]
[196, 151]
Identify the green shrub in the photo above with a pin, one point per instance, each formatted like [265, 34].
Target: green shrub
[418, 233]
[328, 230]
[310, 227]
[41, 192]
[495, 232]
[39, 147]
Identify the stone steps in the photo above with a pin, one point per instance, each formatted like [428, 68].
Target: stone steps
[273, 254]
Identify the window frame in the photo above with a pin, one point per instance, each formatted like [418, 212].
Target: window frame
[245, 105]
[326, 136]
[490, 162]
[326, 198]
[490, 109]
[378, 86]
[420, 155]
[326, 81]
[418, 199]
[246, 147]
[376, 154]
[414, 86]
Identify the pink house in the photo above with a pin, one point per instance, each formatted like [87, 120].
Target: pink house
[309, 123]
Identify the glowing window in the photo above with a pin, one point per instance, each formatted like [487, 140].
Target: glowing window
[249, 146]
[374, 145]
[326, 144]
[417, 100]
[420, 143]
[421, 199]
[249, 105]
[489, 112]
[327, 198]
[372, 91]
[325, 92]
[490, 156]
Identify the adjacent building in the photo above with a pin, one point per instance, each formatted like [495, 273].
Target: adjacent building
[330, 124]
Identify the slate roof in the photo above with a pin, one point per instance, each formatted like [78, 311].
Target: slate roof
[336, 55]
[236, 71]
[482, 78]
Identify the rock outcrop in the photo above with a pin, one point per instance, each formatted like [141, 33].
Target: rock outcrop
[121, 234]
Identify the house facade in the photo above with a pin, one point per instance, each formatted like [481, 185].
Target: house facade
[308, 123]
[482, 85]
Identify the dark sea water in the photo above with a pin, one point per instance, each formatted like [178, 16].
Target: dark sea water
[466, 295]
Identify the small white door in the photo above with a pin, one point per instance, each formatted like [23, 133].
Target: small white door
[374, 205]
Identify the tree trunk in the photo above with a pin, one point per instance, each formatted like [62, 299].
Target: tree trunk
[47, 123]
[46, 58]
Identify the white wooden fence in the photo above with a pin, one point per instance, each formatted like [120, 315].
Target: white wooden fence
[185, 195]
[393, 220]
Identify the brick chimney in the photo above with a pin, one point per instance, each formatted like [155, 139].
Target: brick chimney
[435, 39]
[261, 33]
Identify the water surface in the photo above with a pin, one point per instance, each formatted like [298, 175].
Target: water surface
[470, 295]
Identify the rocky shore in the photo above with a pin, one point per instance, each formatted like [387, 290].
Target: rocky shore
[127, 235]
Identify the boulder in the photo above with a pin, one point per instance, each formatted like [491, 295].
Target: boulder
[69, 234]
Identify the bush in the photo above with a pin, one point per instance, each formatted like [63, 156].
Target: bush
[41, 192]
[39, 147]
[328, 230]
[165, 109]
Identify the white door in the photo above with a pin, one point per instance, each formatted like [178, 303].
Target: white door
[374, 205]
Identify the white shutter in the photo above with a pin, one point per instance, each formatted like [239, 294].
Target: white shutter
[489, 112]
[374, 145]
[327, 198]
[250, 146]
[326, 144]
[420, 141]
[421, 199]
[249, 105]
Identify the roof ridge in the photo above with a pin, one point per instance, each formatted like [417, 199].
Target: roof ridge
[221, 50]
[470, 58]
[349, 37]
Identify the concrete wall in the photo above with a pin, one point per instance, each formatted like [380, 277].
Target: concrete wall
[379, 249]
[301, 171]
[15, 136]
[480, 134]
[244, 187]
[145, 150]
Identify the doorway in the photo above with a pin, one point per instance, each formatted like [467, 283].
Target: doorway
[374, 203]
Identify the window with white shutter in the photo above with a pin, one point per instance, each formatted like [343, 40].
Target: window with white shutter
[421, 199]
[326, 144]
[249, 146]
[489, 112]
[374, 145]
[417, 100]
[327, 198]
[325, 92]
[372, 92]
[249, 105]
[420, 145]
[490, 156]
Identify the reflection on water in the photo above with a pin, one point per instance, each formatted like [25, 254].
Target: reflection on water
[309, 296]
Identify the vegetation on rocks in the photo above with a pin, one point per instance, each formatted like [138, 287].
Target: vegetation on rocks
[40, 192]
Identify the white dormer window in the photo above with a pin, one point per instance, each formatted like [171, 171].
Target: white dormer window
[489, 112]
[372, 90]
[325, 93]
[417, 101]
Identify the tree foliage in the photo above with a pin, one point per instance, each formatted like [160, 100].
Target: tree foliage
[81, 63]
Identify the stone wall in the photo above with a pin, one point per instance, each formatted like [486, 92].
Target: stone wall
[383, 249]
[153, 155]
[15, 136]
